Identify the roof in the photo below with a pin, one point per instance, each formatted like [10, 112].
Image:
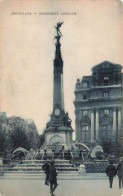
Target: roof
[106, 65]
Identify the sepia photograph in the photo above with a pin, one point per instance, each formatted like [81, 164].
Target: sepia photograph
[61, 97]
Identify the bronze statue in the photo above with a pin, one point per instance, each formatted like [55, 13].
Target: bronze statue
[58, 27]
[67, 121]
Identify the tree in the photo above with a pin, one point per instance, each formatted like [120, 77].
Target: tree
[19, 138]
[33, 136]
[5, 130]
[111, 146]
[16, 132]
[2, 142]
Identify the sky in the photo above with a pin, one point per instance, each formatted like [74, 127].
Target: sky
[27, 51]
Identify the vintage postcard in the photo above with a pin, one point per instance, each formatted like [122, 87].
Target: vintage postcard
[61, 82]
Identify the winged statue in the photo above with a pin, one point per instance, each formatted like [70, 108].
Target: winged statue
[58, 28]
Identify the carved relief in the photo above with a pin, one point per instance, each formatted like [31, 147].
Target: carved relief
[56, 140]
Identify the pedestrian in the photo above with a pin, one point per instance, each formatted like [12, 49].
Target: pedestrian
[20, 158]
[53, 178]
[46, 168]
[111, 171]
[120, 173]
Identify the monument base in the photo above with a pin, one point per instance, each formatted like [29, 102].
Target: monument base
[58, 138]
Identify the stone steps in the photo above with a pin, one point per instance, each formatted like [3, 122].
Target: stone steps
[36, 166]
[39, 169]
[40, 165]
[43, 161]
[42, 172]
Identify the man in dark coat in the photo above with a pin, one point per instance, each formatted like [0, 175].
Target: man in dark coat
[46, 168]
[111, 172]
[120, 173]
[53, 178]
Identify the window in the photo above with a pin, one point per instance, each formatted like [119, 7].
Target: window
[106, 130]
[85, 84]
[105, 94]
[106, 112]
[106, 80]
[85, 113]
[84, 97]
[85, 128]
[85, 134]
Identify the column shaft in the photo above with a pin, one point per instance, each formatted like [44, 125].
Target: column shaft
[80, 133]
[97, 123]
[77, 125]
[119, 118]
[119, 122]
[114, 120]
[92, 125]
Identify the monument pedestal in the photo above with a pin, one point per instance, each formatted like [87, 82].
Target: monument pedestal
[58, 138]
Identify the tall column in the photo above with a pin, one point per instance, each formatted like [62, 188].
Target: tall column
[92, 125]
[80, 115]
[80, 133]
[97, 123]
[58, 93]
[119, 121]
[77, 124]
[80, 129]
[114, 120]
[76, 129]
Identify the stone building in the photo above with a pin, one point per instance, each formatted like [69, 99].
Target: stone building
[98, 101]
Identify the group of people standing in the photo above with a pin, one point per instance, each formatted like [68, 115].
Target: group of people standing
[112, 171]
[51, 175]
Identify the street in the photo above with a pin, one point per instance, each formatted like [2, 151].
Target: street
[36, 187]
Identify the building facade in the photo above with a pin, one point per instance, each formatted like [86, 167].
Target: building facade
[98, 103]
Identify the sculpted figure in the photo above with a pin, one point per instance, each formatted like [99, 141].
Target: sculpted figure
[58, 27]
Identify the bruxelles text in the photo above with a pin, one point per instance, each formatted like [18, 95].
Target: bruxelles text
[44, 13]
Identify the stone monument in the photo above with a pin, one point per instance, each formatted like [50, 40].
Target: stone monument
[58, 132]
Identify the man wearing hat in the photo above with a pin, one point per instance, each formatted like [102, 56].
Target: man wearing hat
[46, 168]
[53, 178]
[111, 172]
[120, 172]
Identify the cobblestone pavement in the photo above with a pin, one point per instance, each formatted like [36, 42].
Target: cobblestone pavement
[35, 187]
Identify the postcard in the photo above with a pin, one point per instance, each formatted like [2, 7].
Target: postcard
[61, 97]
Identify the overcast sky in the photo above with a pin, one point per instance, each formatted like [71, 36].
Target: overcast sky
[27, 50]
